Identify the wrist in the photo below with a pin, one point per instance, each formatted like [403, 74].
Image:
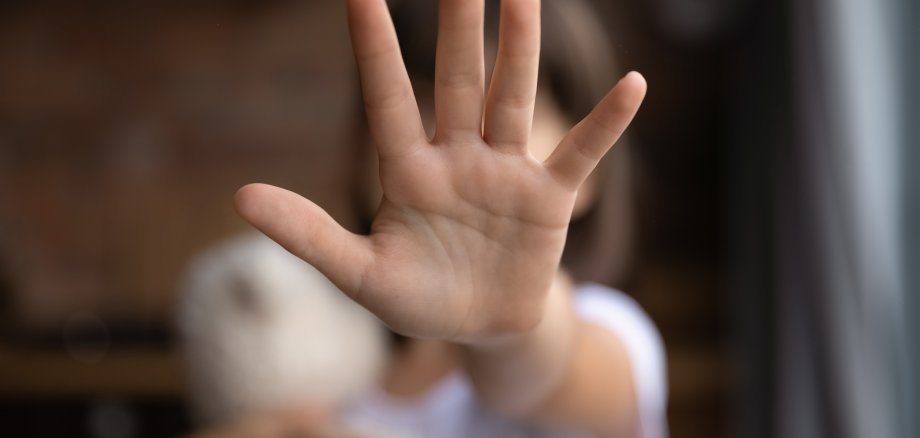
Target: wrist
[515, 373]
[556, 319]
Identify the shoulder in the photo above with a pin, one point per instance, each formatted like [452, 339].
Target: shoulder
[624, 317]
[613, 310]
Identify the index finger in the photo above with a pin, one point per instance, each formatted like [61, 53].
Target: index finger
[392, 113]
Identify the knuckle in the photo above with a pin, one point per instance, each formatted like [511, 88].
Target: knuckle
[460, 79]
[387, 100]
[608, 128]
[513, 101]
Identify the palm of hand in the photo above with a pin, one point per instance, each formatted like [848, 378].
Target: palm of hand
[465, 234]
[471, 228]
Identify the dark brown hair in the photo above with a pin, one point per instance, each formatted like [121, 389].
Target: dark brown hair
[576, 70]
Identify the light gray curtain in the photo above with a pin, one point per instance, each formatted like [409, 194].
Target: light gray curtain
[845, 223]
[911, 197]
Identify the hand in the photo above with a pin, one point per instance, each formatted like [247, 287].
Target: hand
[471, 227]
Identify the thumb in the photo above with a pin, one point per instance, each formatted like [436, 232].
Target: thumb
[307, 231]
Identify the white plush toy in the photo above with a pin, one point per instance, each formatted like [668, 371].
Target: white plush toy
[261, 330]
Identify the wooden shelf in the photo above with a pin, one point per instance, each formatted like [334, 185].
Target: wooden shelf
[134, 372]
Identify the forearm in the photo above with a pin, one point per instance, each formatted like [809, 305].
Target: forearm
[597, 392]
[517, 374]
[564, 371]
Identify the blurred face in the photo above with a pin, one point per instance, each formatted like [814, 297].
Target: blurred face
[549, 127]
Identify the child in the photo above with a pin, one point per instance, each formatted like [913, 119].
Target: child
[464, 251]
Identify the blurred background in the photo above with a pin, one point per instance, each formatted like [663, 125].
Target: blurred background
[777, 239]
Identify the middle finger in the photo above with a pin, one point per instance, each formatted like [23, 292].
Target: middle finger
[459, 71]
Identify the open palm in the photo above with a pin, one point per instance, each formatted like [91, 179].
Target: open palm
[471, 228]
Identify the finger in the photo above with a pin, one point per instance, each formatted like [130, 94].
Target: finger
[585, 145]
[459, 71]
[509, 106]
[308, 232]
[392, 112]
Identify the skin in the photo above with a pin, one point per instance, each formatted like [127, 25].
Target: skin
[466, 244]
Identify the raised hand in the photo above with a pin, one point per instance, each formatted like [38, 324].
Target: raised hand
[471, 227]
